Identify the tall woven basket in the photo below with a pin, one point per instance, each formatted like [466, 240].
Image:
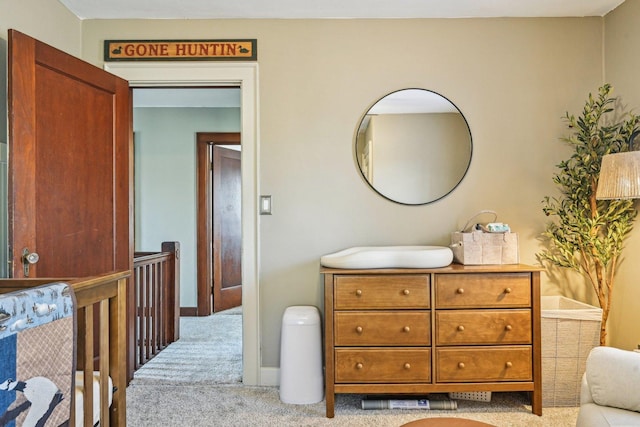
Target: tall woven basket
[570, 329]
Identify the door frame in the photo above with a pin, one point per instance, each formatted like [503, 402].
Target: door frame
[245, 75]
[204, 193]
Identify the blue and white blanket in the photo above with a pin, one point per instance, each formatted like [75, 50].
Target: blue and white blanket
[37, 356]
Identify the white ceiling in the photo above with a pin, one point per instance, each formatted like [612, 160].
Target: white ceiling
[297, 9]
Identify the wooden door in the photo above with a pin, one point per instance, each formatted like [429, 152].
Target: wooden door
[227, 229]
[219, 246]
[69, 163]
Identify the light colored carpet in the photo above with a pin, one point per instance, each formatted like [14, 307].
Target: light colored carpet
[197, 382]
[209, 351]
[237, 405]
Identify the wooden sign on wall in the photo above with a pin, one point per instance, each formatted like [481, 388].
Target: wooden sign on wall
[180, 50]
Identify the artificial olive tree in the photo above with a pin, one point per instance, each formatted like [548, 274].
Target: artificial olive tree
[585, 234]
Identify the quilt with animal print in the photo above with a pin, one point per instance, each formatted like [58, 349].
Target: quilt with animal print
[37, 356]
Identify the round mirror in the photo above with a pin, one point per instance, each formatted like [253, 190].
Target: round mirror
[413, 146]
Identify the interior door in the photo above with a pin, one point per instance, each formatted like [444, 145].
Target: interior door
[227, 229]
[219, 233]
[70, 164]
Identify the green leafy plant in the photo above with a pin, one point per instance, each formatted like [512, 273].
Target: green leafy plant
[585, 234]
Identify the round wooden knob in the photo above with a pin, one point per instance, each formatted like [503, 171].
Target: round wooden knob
[461, 328]
[461, 365]
[406, 292]
[406, 329]
[507, 290]
[358, 292]
[359, 329]
[508, 364]
[460, 291]
[407, 366]
[359, 365]
[508, 328]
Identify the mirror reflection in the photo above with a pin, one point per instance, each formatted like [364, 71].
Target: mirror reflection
[413, 146]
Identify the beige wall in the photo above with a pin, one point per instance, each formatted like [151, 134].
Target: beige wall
[513, 79]
[46, 20]
[622, 65]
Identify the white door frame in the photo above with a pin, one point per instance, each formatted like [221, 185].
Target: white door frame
[189, 74]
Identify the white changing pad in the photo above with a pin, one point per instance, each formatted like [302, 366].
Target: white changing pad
[96, 400]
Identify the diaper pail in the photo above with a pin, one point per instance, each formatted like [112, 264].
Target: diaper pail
[301, 379]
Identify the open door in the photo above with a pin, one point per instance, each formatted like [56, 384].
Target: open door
[219, 237]
[69, 164]
[227, 229]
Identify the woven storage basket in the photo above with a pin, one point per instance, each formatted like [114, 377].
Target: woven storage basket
[471, 246]
[570, 329]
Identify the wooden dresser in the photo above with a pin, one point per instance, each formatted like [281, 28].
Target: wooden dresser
[414, 331]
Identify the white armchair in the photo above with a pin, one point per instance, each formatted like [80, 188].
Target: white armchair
[610, 393]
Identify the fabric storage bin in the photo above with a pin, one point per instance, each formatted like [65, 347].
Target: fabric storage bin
[478, 248]
[478, 243]
[570, 329]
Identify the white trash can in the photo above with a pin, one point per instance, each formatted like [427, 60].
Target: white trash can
[301, 379]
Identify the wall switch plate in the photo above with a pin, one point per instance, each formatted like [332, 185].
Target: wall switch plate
[265, 205]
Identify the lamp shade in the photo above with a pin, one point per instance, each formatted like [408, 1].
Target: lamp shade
[619, 176]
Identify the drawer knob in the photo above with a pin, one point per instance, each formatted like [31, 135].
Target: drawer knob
[508, 364]
[407, 366]
[460, 291]
[406, 292]
[507, 290]
[406, 329]
[461, 328]
[359, 329]
[508, 328]
[461, 365]
[358, 292]
[359, 365]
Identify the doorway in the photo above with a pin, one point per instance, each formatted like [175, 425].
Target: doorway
[244, 75]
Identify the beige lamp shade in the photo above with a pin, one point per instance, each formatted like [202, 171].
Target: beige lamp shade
[619, 176]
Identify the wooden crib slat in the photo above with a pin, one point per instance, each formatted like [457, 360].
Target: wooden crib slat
[118, 352]
[87, 366]
[104, 362]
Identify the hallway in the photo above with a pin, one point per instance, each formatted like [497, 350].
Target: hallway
[209, 351]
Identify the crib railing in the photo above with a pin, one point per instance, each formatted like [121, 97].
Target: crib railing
[102, 325]
[107, 295]
[156, 297]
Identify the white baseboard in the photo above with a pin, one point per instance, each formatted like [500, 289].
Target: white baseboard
[269, 376]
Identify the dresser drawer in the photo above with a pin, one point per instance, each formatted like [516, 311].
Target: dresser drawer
[461, 327]
[380, 365]
[381, 291]
[404, 328]
[483, 364]
[483, 290]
